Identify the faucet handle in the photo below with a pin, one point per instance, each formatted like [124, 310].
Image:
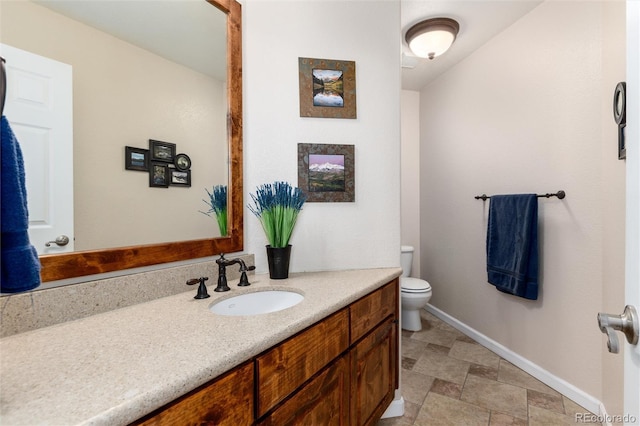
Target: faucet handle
[202, 289]
[244, 281]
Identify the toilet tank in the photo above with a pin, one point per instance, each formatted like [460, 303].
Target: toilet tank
[406, 260]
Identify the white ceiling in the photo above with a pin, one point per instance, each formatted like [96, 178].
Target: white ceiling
[479, 20]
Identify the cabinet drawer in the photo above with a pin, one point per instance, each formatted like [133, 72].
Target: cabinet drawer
[225, 401]
[322, 401]
[287, 366]
[367, 312]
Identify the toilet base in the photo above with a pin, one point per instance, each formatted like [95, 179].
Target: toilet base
[410, 319]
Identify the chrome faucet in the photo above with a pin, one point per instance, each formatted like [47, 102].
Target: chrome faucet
[222, 272]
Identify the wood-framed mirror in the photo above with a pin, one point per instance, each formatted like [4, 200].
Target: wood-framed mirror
[96, 261]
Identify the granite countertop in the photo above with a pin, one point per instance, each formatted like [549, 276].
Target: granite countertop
[115, 367]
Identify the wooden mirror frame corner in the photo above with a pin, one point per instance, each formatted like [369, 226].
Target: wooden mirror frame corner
[78, 264]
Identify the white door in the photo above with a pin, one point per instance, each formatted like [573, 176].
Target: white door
[632, 256]
[39, 107]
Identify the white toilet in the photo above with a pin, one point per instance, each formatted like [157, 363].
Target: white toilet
[414, 295]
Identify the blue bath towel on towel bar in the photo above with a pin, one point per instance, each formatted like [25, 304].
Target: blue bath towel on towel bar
[512, 244]
[20, 269]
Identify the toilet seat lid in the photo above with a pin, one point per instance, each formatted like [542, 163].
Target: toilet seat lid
[414, 285]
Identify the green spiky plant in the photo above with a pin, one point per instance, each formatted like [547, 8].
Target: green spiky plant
[277, 207]
[218, 206]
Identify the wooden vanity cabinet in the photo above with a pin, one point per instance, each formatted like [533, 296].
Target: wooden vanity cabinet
[343, 370]
[357, 396]
[227, 400]
[284, 368]
[323, 401]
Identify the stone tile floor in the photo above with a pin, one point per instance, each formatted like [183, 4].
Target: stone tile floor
[448, 378]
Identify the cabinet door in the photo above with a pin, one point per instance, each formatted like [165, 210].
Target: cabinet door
[374, 362]
[323, 401]
[225, 401]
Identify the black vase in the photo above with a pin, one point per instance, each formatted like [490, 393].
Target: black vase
[278, 258]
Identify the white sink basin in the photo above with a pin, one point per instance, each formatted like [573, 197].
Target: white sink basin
[259, 302]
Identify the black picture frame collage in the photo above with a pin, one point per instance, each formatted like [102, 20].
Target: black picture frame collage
[165, 167]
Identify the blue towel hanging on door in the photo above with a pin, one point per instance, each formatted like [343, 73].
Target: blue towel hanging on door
[512, 244]
[19, 259]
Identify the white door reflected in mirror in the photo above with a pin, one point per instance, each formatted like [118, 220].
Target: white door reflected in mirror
[39, 107]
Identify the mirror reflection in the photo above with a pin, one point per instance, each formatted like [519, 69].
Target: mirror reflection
[140, 71]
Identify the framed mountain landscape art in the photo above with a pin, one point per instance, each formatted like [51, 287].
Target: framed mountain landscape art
[327, 88]
[326, 172]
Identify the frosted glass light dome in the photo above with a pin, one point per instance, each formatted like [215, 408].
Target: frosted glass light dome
[433, 37]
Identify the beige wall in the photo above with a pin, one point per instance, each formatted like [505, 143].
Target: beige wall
[530, 112]
[124, 96]
[410, 175]
[613, 199]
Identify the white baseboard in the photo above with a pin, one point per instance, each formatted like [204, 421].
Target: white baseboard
[567, 389]
[395, 409]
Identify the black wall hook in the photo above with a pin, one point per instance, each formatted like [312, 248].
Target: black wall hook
[3, 85]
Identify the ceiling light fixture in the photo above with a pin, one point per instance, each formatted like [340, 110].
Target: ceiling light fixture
[433, 37]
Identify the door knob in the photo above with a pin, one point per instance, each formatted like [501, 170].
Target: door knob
[627, 323]
[61, 240]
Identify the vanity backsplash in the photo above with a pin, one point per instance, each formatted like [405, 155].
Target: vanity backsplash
[42, 308]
